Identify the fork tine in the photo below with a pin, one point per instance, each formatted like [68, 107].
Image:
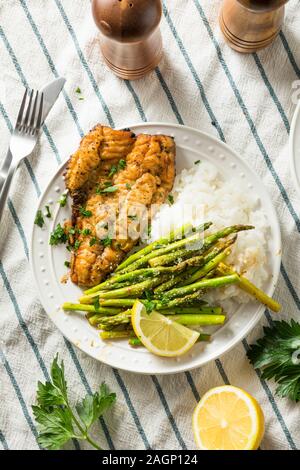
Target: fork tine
[32, 119]
[20, 114]
[40, 116]
[25, 123]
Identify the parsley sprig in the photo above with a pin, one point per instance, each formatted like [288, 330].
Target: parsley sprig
[277, 353]
[57, 421]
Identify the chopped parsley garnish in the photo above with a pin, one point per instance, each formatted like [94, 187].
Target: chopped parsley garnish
[132, 217]
[67, 264]
[39, 219]
[115, 168]
[197, 162]
[58, 236]
[77, 245]
[149, 231]
[63, 200]
[78, 90]
[106, 241]
[79, 93]
[72, 231]
[86, 231]
[93, 241]
[109, 189]
[48, 213]
[84, 212]
[128, 186]
[171, 199]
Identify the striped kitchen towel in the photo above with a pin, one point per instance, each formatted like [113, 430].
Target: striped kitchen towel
[201, 82]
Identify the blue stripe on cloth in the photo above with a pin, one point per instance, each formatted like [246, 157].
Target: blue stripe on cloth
[19, 394]
[168, 413]
[3, 441]
[25, 84]
[194, 73]
[290, 286]
[289, 53]
[191, 383]
[22, 322]
[169, 95]
[18, 225]
[26, 161]
[132, 409]
[248, 118]
[84, 63]
[136, 100]
[50, 63]
[272, 92]
[89, 391]
[273, 404]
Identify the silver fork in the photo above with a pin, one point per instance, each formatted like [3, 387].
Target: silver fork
[23, 140]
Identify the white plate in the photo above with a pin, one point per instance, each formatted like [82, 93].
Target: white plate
[48, 265]
[295, 148]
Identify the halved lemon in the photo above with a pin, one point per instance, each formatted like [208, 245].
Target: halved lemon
[160, 335]
[228, 418]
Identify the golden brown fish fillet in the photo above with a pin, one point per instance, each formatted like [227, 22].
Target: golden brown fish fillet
[132, 188]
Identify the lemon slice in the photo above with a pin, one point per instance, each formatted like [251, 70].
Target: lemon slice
[160, 335]
[228, 418]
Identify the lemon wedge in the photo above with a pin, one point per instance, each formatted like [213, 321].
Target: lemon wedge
[160, 335]
[228, 418]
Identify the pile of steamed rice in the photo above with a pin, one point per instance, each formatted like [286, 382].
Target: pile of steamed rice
[201, 194]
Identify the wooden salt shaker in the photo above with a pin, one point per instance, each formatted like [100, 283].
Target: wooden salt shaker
[251, 25]
[130, 38]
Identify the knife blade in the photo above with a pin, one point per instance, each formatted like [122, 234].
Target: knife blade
[51, 92]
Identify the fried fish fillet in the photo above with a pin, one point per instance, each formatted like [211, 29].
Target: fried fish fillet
[114, 178]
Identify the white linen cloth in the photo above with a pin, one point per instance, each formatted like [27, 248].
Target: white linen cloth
[201, 82]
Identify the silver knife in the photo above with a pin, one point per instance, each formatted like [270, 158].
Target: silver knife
[51, 93]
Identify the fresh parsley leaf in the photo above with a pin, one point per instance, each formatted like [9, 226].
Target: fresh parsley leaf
[67, 264]
[197, 162]
[48, 213]
[58, 236]
[84, 212]
[39, 219]
[78, 90]
[171, 199]
[93, 406]
[128, 186]
[115, 168]
[93, 241]
[149, 231]
[277, 353]
[72, 230]
[63, 200]
[86, 231]
[57, 422]
[107, 241]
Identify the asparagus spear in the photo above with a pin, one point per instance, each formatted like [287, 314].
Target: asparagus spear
[174, 280]
[207, 243]
[200, 285]
[141, 274]
[185, 300]
[116, 334]
[134, 290]
[143, 260]
[193, 310]
[90, 308]
[135, 342]
[251, 289]
[109, 323]
[178, 233]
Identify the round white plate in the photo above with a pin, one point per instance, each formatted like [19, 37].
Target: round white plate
[48, 264]
[295, 148]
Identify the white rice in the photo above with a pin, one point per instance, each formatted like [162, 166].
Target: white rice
[204, 191]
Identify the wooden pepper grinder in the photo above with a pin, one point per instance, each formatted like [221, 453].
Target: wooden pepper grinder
[130, 39]
[251, 25]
